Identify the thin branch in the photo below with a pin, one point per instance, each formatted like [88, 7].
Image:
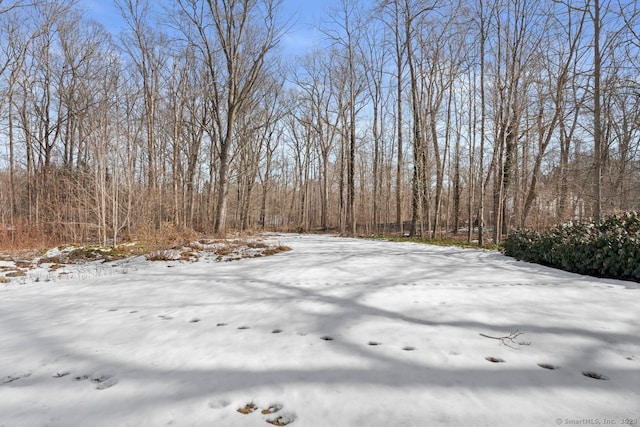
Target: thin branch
[506, 340]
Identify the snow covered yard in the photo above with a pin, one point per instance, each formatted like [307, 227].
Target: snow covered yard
[336, 332]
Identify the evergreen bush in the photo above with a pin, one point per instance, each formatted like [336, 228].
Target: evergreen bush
[609, 249]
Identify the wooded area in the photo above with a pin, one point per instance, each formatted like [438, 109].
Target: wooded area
[419, 117]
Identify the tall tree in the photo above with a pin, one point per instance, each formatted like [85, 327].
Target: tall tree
[595, 13]
[563, 44]
[234, 39]
[349, 23]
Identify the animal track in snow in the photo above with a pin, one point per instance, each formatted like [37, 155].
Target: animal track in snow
[272, 409]
[244, 327]
[595, 375]
[326, 338]
[282, 420]
[494, 359]
[247, 409]
[219, 404]
[276, 331]
[222, 324]
[10, 378]
[194, 320]
[374, 343]
[103, 381]
[548, 366]
[408, 348]
[60, 374]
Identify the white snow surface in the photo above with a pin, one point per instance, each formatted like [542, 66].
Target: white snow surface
[189, 343]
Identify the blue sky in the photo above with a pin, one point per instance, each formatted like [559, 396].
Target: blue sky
[305, 15]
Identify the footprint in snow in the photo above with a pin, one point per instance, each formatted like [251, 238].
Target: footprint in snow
[194, 320]
[595, 375]
[408, 348]
[9, 379]
[103, 381]
[326, 338]
[247, 409]
[282, 420]
[272, 409]
[374, 343]
[548, 366]
[219, 404]
[60, 374]
[494, 359]
[222, 324]
[244, 327]
[276, 331]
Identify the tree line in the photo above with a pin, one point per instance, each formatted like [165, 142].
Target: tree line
[427, 118]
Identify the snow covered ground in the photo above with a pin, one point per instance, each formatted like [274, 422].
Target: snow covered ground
[336, 332]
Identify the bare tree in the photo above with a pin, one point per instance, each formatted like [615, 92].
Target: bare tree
[484, 21]
[349, 23]
[558, 77]
[142, 44]
[316, 77]
[395, 21]
[595, 14]
[375, 61]
[19, 36]
[243, 33]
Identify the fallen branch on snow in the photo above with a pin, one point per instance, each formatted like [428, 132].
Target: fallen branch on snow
[511, 338]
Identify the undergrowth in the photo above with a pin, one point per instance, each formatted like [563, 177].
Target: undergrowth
[610, 248]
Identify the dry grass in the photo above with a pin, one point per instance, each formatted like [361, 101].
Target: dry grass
[74, 254]
[277, 249]
[22, 239]
[231, 249]
[183, 254]
[17, 273]
[26, 248]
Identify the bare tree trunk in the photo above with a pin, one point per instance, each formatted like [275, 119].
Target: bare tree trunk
[483, 117]
[457, 190]
[597, 114]
[400, 48]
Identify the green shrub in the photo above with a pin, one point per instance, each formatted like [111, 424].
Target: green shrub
[609, 249]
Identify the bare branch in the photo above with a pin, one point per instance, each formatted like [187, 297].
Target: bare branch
[509, 340]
